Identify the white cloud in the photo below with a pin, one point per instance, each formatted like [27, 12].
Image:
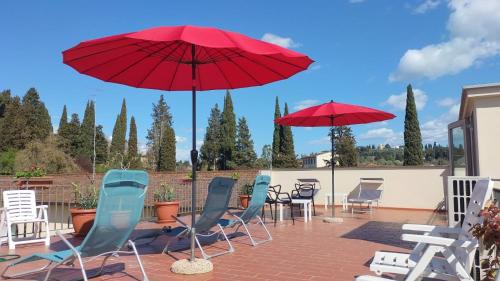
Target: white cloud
[385, 135]
[285, 42]
[436, 130]
[474, 31]
[356, 1]
[426, 6]
[180, 139]
[399, 101]
[315, 66]
[446, 102]
[304, 104]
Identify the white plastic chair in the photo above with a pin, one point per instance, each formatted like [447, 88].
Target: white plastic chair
[456, 245]
[19, 207]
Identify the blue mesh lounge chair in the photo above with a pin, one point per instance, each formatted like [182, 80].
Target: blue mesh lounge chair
[121, 201]
[256, 205]
[216, 205]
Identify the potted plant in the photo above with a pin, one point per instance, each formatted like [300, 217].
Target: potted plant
[83, 214]
[188, 178]
[165, 204]
[245, 194]
[235, 176]
[489, 233]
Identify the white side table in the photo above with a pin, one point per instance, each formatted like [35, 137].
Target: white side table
[307, 203]
[343, 196]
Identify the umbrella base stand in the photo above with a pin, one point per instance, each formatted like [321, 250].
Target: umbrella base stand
[333, 220]
[186, 266]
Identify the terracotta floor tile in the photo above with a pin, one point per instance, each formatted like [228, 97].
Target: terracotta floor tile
[313, 251]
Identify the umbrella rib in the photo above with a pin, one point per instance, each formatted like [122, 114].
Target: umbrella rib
[115, 58]
[177, 67]
[220, 70]
[157, 65]
[131, 65]
[285, 62]
[100, 52]
[263, 66]
[239, 67]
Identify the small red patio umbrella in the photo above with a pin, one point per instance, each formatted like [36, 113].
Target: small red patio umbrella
[181, 58]
[333, 114]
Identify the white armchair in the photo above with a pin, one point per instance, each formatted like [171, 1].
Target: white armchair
[19, 207]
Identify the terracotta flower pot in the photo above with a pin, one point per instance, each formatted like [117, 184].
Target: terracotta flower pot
[82, 220]
[166, 211]
[245, 200]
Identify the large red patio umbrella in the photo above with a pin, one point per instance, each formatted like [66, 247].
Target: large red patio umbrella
[181, 58]
[333, 114]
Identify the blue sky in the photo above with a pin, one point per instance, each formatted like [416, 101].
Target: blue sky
[366, 52]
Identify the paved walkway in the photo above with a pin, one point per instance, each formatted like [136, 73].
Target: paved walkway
[304, 251]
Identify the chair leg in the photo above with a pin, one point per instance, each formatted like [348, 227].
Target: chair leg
[291, 214]
[47, 233]
[271, 209]
[275, 213]
[314, 207]
[144, 276]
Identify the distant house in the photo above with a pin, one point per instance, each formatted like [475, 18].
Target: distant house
[316, 160]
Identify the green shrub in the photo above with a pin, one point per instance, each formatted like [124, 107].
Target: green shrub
[35, 172]
[7, 162]
[246, 189]
[85, 197]
[47, 155]
[165, 193]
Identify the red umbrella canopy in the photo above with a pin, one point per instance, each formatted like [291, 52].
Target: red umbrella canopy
[162, 58]
[334, 114]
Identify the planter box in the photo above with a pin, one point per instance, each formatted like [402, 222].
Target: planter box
[38, 182]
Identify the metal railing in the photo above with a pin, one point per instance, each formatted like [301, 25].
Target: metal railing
[60, 199]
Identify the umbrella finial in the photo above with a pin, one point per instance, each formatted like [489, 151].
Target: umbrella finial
[331, 100]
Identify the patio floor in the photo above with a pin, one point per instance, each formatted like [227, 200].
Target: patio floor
[304, 251]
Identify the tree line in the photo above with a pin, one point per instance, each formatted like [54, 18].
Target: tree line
[412, 153]
[27, 139]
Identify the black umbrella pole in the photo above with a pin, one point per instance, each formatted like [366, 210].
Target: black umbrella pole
[194, 160]
[333, 172]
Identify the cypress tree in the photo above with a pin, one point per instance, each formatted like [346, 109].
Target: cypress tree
[228, 132]
[413, 153]
[245, 155]
[63, 121]
[132, 153]
[101, 146]
[287, 150]
[87, 131]
[162, 119]
[12, 124]
[73, 136]
[276, 155]
[210, 150]
[4, 100]
[119, 132]
[36, 117]
[166, 161]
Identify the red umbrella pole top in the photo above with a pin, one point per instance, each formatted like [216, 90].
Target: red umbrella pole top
[340, 113]
[161, 58]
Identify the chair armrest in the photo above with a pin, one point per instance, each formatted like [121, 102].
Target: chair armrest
[286, 194]
[431, 228]
[439, 241]
[73, 249]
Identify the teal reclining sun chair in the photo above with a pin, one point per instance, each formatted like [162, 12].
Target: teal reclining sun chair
[216, 205]
[121, 201]
[256, 205]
